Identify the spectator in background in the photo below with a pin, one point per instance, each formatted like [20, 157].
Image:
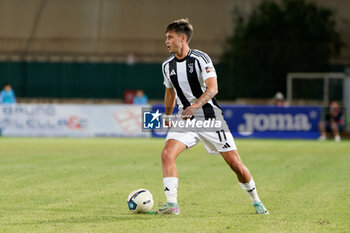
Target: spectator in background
[140, 98]
[7, 96]
[334, 122]
[130, 59]
[278, 100]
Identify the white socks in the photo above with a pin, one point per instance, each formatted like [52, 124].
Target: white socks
[251, 190]
[170, 188]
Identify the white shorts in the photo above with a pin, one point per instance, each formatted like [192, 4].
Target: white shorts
[214, 142]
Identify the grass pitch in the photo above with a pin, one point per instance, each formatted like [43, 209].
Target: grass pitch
[81, 185]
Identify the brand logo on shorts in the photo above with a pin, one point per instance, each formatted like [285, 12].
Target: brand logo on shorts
[151, 120]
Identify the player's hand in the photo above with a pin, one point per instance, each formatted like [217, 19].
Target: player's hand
[167, 120]
[167, 124]
[189, 112]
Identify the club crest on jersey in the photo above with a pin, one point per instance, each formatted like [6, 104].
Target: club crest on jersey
[190, 67]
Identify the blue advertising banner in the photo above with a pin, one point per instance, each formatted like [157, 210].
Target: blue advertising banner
[273, 122]
[267, 121]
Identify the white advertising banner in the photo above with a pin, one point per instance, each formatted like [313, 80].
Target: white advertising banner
[71, 120]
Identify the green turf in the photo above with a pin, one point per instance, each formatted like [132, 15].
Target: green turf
[81, 185]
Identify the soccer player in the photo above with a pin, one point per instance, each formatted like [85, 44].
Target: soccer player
[190, 80]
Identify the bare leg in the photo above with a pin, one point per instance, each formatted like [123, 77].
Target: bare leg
[322, 129]
[171, 150]
[245, 179]
[234, 161]
[334, 128]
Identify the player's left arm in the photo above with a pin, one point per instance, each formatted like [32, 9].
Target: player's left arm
[210, 92]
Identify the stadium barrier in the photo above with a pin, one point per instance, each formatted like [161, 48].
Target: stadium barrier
[74, 120]
[71, 120]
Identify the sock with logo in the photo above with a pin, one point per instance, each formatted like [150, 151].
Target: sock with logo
[170, 189]
[250, 188]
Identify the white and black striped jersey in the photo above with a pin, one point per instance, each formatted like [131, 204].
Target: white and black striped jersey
[187, 77]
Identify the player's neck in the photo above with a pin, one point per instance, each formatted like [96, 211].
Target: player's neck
[182, 52]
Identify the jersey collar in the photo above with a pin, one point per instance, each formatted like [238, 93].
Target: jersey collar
[183, 59]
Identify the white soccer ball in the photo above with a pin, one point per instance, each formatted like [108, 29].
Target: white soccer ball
[140, 201]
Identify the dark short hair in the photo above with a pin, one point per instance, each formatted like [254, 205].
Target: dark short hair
[6, 84]
[182, 26]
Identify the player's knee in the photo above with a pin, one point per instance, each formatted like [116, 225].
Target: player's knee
[334, 126]
[321, 125]
[236, 165]
[167, 155]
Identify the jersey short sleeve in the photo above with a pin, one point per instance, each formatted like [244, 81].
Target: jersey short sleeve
[167, 82]
[206, 65]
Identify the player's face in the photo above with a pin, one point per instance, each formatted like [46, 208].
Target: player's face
[7, 88]
[173, 41]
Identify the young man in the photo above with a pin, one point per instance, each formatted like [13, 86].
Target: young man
[334, 122]
[190, 80]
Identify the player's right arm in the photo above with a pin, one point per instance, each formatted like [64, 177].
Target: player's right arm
[170, 94]
[169, 102]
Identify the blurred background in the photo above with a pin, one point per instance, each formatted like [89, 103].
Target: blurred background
[102, 51]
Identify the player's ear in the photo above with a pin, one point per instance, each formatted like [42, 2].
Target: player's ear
[183, 37]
